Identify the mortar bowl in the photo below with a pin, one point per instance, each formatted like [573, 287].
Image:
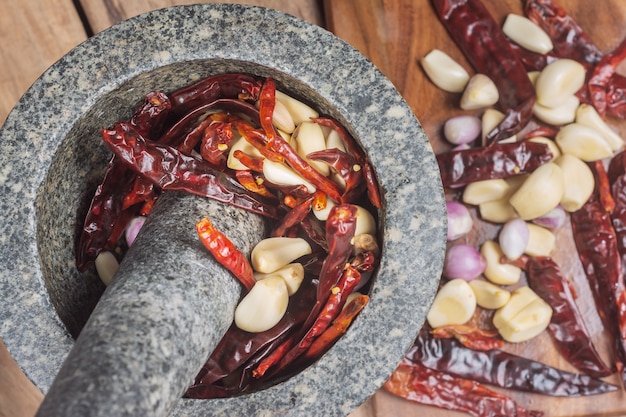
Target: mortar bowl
[52, 158]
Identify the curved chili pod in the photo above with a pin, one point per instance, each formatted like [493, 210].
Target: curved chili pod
[488, 50]
[597, 245]
[568, 38]
[500, 160]
[469, 336]
[237, 86]
[171, 170]
[422, 385]
[502, 369]
[567, 326]
[601, 76]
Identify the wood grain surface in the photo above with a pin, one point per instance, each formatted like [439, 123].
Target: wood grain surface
[33, 35]
[395, 35]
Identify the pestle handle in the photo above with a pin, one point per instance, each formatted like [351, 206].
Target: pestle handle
[156, 324]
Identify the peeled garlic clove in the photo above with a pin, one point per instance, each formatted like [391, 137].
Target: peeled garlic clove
[587, 115]
[333, 141]
[583, 142]
[479, 192]
[527, 34]
[540, 193]
[365, 222]
[490, 119]
[106, 266]
[523, 317]
[444, 71]
[455, 303]
[554, 148]
[479, 93]
[299, 111]
[558, 81]
[241, 144]
[560, 115]
[579, 182]
[541, 241]
[496, 271]
[292, 274]
[273, 253]
[281, 174]
[309, 138]
[263, 306]
[366, 242]
[282, 119]
[497, 211]
[489, 296]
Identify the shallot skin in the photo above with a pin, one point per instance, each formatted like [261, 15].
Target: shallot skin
[464, 262]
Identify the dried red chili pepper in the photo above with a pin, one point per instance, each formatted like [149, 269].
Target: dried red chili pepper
[421, 385]
[500, 368]
[597, 246]
[169, 169]
[340, 227]
[567, 327]
[293, 217]
[603, 187]
[601, 76]
[545, 131]
[186, 132]
[470, 336]
[339, 326]
[353, 148]
[236, 86]
[616, 97]
[215, 144]
[568, 38]
[483, 43]
[225, 252]
[149, 117]
[250, 183]
[504, 160]
[104, 212]
[347, 167]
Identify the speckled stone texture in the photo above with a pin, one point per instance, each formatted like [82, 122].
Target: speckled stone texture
[159, 320]
[51, 159]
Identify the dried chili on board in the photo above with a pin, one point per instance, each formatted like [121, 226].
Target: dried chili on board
[502, 369]
[414, 382]
[502, 160]
[483, 43]
[597, 246]
[567, 327]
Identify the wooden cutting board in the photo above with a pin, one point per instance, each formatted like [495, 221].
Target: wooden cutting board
[395, 35]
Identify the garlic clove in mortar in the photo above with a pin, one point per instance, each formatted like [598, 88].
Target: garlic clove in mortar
[263, 306]
[273, 253]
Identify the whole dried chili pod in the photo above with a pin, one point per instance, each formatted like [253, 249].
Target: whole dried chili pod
[234, 85]
[353, 148]
[567, 327]
[422, 385]
[169, 169]
[274, 142]
[150, 116]
[340, 228]
[488, 50]
[105, 211]
[568, 38]
[601, 76]
[502, 160]
[225, 252]
[337, 328]
[597, 245]
[500, 368]
[347, 167]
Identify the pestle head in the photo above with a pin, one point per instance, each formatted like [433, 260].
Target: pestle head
[156, 324]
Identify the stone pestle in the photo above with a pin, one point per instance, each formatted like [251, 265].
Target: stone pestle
[157, 322]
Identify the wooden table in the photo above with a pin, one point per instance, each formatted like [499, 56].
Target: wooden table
[394, 34]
